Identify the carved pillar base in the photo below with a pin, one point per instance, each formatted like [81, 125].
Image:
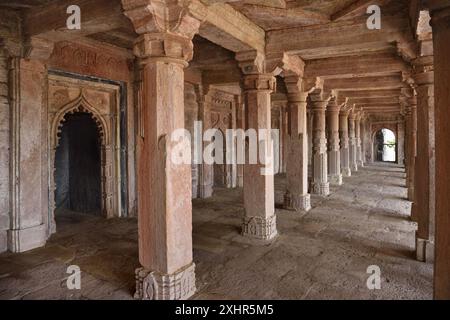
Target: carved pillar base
[297, 202]
[354, 167]
[346, 172]
[155, 286]
[360, 163]
[321, 188]
[260, 228]
[21, 240]
[336, 180]
[424, 250]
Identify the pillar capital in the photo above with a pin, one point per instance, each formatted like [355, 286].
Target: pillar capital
[181, 18]
[166, 28]
[259, 82]
[423, 70]
[163, 47]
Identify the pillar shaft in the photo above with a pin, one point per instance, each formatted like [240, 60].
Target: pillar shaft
[259, 221]
[441, 34]
[297, 196]
[352, 140]
[164, 186]
[334, 156]
[424, 169]
[345, 144]
[412, 149]
[358, 134]
[320, 184]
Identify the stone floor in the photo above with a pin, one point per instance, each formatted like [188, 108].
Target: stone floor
[323, 254]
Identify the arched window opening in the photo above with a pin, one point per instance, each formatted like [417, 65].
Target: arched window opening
[385, 146]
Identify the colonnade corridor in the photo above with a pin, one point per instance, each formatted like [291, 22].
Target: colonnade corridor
[321, 254]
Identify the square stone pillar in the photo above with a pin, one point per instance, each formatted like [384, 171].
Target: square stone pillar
[412, 147]
[353, 152]
[424, 198]
[164, 186]
[334, 155]
[259, 192]
[297, 196]
[206, 176]
[345, 145]
[240, 124]
[358, 124]
[440, 22]
[320, 184]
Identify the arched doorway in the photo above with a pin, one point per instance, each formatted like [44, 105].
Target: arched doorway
[78, 165]
[385, 146]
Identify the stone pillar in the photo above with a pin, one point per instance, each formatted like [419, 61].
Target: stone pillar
[320, 184]
[363, 140]
[259, 192]
[425, 161]
[334, 156]
[440, 21]
[284, 140]
[309, 125]
[297, 196]
[412, 147]
[401, 142]
[358, 138]
[167, 270]
[205, 170]
[352, 139]
[345, 146]
[240, 125]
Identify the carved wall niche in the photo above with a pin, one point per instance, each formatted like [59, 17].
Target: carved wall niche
[101, 102]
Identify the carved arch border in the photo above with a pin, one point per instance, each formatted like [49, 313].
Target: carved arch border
[81, 104]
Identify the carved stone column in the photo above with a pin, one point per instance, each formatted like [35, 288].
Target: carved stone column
[412, 147]
[440, 21]
[259, 193]
[320, 184]
[359, 154]
[345, 145]
[352, 139]
[425, 160]
[334, 156]
[297, 196]
[240, 125]
[164, 48]
[206, 170]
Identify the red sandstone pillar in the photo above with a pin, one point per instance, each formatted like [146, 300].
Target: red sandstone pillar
[259, 193]
[359, 158]
[424, 175]
[334, 156]
[344, 139]
[297, 196]
[164, 186]
[353, 143]
[320, 184]
[412, 148]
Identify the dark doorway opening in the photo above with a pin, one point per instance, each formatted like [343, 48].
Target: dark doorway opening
[78, 165]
